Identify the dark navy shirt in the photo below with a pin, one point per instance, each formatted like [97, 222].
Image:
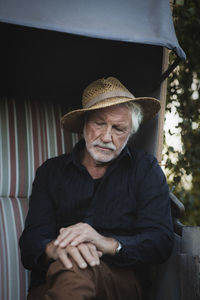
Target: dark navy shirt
[130, 203]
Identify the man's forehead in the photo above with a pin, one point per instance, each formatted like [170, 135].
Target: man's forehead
[117, 111]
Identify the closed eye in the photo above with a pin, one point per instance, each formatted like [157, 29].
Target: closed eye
[119, 129]
[99, 123]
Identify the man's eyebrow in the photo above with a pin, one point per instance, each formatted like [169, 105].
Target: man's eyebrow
[122, 123]
[98, 117]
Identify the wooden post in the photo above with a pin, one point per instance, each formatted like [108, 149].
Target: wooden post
[163, 92]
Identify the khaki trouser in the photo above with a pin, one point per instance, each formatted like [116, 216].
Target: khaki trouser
[103, 282]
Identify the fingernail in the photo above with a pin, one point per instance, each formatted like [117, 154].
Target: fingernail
[62, 244]
[69, 266]
[56, 243]
[93, 263]
[83, 265]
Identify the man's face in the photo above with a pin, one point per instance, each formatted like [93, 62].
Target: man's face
[106, 132]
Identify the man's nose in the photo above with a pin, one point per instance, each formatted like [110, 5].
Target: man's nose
[106, 135]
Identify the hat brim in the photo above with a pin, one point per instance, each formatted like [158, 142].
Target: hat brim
[73, 121]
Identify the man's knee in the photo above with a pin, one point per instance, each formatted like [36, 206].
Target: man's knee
[75, 282]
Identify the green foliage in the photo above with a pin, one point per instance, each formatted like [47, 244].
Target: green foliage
[184, 85]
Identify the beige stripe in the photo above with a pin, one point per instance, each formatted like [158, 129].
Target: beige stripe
[106, 95]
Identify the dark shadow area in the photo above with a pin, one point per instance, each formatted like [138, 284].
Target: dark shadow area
[47, 63]
[53, 66]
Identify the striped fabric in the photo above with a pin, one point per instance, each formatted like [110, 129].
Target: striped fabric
[14, 279]
[30, 133]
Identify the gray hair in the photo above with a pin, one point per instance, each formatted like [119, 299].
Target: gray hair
[136, 114]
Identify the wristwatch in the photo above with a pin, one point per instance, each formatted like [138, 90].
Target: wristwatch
[119, 247]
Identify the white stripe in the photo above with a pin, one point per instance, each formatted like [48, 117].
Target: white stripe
[15, 292]
[8, 149]
[3, 258]
[29, 143]
[43, 122]
[62, 133]
[31, 140]
[75, 139]
[54, 130]
[47, 132]
[39, 128]
[27, 280]
[10, 257]
[8, 249]
[28, 146]
[5, 171]
[16, 149]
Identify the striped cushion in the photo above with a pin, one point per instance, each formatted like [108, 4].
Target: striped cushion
[30, 133]
[14, 279]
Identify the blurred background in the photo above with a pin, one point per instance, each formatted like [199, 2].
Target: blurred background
[181, 153]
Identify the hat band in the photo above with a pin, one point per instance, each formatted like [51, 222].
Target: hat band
[109, 94]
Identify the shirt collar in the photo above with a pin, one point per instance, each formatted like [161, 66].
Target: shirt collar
[74, 156]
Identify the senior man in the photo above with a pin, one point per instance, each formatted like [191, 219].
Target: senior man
[100, 216]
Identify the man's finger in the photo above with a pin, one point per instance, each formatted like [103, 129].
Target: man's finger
[68, 239]
[93, 250]
[62, 256]
[91, 258]
[65, 238]
[64, 232]
[81, 238]
[99, 253]
[75, 254]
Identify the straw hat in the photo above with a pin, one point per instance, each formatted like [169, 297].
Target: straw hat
[104, 93]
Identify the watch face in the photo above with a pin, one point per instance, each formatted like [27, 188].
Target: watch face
[119, 247]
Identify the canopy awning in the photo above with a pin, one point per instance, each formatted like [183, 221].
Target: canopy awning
[145, 22]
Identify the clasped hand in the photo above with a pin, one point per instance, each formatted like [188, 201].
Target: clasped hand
[82, 243]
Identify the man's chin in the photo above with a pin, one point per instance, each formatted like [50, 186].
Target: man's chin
[99, 159]
[103, 161]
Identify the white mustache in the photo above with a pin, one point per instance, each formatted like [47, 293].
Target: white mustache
[99, 143]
